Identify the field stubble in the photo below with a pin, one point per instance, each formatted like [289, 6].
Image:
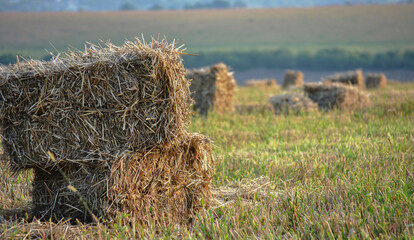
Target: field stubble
[325, 175]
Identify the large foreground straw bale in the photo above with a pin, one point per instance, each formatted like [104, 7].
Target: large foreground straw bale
[336, 95]
[212, 87]
[351, 77]
[94, 104]
[162, 186]
[292, 78]
[292, 103]
[375, 80]
[262, 83]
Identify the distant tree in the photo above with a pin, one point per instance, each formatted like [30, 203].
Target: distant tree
[239, 4]
[7, 59]
[127, 7]
[219, 4]
[156, 7]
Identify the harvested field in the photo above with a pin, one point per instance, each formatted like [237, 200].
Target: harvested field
[212, 88]
[336, 95]
[333, 174]
[254, 108]
[375, 80]
[292, 103]
[292, 79]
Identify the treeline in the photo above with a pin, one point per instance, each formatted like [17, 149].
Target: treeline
[325, 59]
[215, 4]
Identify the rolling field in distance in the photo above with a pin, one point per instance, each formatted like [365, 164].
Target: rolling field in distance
[326, 175]
[372, 28]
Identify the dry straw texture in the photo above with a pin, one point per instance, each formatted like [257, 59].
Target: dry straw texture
[375, 80]
[246, 191]
[95, 104]
[166, 185]
[351, 77]
[336, 95]
[77, 192]
[106, 131]
[292, 78]
[292, 103]
[262, 83]
[212, 88]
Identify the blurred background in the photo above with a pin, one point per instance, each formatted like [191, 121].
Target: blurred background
[257, 39]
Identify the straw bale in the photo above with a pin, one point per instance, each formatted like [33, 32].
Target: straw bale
[351, 78]
[212, 87]
[164, 185]
[292, 103]
[93, 105]
[375, 80]
[336, 95]
[262, 83]
[292, 78]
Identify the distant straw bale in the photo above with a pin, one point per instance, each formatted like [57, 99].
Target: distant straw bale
[262, 83]
[292, 78]
[351, 78]
[92, 105]
[336, 95]
[212, 87]
[164, 185]
[375, 80]
[292, 103]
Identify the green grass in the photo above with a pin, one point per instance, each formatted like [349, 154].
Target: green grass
[368, 28]
[333, 175]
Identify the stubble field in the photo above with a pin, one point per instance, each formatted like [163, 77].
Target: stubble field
[319, 175]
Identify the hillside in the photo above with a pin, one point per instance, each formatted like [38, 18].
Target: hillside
[243, 38]
[107, 5]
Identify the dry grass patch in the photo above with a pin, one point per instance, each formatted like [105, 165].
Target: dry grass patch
[292, 103]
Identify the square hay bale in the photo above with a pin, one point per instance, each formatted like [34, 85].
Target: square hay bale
[375, 80]
[292, 103]
[93, 105]
[212, 87]
[292, 78]
[336, 95]
[351, 77]
[262, 83]
[166, 185]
